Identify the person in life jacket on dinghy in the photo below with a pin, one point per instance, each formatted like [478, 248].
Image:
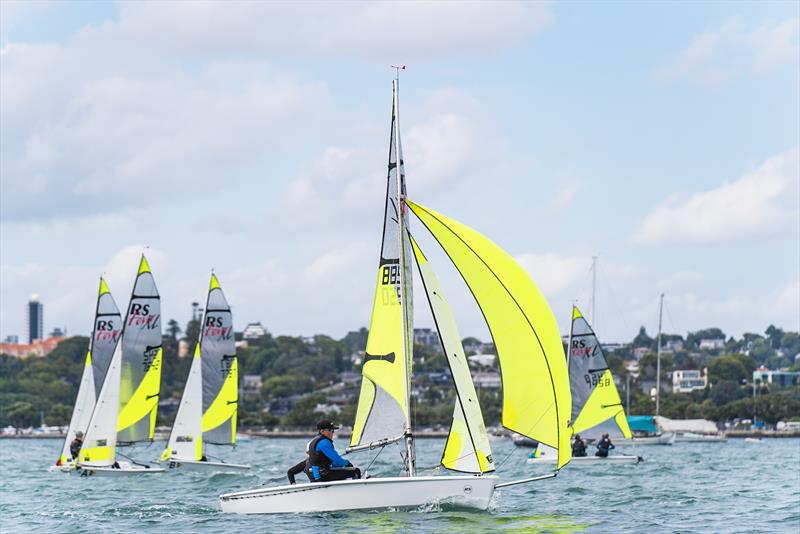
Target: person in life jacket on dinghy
[603, 446]
[578, 447]
[75, 446]
[324, 464]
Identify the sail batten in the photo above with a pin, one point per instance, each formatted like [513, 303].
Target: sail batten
[536, 396]
[595, 399]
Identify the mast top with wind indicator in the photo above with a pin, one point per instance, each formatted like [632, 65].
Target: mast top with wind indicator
[397, 69]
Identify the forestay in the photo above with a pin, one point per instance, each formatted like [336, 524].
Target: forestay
[140, 371]
[467, 448]
[595, 398]
[105, 335]
[536, 397]
[383, 413]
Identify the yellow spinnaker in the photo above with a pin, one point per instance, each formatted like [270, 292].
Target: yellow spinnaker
[536, 396]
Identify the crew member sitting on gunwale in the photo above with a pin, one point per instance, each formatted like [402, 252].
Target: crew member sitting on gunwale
[324, 464]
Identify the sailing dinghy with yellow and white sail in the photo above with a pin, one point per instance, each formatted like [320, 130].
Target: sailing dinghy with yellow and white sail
[536, 395]
[596, 405]
[126, 408]
[105, 335]
[207, 413]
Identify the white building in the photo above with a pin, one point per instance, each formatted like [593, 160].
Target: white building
[712, 344]
[426, 336]
[688, 380]
[254, 331]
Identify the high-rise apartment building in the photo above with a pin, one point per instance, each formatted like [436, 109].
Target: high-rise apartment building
[35, 319]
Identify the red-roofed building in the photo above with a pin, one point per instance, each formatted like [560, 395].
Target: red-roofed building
[39, 347]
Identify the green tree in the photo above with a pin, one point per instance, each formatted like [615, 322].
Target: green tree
[643, 340]
[173, 329]
[775, 335]
[726, 391]
[59, 415]
[22, 414]
[732, 367]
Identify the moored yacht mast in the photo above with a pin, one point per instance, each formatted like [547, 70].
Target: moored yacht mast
[658, 354]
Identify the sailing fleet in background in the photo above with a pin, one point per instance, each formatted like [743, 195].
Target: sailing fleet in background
[548, 396]
[117, 402]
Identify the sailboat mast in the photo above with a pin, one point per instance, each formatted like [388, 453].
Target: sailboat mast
[569, 342]
[404, 270]
[658, 354]
[594, 289]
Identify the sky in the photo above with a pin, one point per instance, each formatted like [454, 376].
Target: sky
[251, 138]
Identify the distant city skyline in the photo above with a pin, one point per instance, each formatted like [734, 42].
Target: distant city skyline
[663, 138]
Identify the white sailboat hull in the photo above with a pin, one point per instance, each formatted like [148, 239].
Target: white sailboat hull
[390, 492]
[689, 437]
[125, 469]
[207, 467]
[667, 438]
[588, 460]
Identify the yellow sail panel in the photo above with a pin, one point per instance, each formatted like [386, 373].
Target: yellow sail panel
[536, 397]
[144, 401]
[223, 407]
[382, 409]
[467, 448]
[595, 398]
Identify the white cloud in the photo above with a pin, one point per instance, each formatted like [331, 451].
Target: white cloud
[762, 202]
[554, 272]
[114, 139]
[371, 30]
[348, 184]
[733, 49]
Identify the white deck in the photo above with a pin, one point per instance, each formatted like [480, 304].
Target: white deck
[390, 492]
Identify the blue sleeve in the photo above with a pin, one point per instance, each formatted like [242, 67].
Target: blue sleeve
[325, 447]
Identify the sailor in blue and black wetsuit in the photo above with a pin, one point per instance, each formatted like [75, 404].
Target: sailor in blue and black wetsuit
[324, 463]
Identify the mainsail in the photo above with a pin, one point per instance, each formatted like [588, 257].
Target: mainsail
[595, 398]
[220, 369]
[383, 404]
[105, 334]
[207, 412]
[140, 378]
[536, 397]
[467, 448]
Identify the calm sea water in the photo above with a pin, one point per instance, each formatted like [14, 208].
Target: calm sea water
[730, 487]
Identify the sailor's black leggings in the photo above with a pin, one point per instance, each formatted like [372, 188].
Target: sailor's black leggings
[340, 473]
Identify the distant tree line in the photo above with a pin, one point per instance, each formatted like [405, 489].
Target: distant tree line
[35, 390]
